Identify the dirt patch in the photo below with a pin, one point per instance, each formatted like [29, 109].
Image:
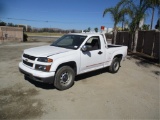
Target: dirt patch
[156, 72]
[132, 93]
[17, 103]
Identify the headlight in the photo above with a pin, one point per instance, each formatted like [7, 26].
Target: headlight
[44, 59]
[44, 68]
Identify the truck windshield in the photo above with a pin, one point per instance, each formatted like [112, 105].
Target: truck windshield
[69, 41]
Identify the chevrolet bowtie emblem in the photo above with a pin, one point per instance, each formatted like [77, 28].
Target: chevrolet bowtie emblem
[26, 60]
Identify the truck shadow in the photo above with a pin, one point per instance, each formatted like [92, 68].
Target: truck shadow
[91, 74]
[47, 86]
[39, 84]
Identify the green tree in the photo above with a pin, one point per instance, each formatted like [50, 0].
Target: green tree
[96, 29]
[25, 36]
[24, 27]
[153, 5]
[85, 31]
[145, 27]
[117, 14]
[10, 24]
[2, 23]
[89, 29]
[137, 13]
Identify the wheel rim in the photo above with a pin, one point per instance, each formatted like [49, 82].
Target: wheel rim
[116, 66]
[65, 78]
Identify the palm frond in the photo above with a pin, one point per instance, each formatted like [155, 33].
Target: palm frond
[108, 10]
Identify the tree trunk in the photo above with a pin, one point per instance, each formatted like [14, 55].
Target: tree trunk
[152, 18]
[123, 23]
[114, 35]
[135, 38]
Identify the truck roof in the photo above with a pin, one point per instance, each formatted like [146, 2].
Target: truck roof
[86, 34]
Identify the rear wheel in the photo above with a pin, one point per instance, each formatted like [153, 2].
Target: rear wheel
[64, 78]
[115, 65]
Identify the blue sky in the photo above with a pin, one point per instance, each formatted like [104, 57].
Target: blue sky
[65, 14]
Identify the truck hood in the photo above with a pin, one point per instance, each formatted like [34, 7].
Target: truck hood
[45, 51]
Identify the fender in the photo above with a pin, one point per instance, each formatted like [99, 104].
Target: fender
[66, 59]
[122, 52]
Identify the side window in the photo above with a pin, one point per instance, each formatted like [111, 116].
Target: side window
[94, 42]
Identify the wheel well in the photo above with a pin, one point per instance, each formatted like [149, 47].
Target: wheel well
[71, 64]
[119, 56]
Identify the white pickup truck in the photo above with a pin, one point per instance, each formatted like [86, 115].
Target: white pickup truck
[71, 55]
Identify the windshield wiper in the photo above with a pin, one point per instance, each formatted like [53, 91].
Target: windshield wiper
[67, 47]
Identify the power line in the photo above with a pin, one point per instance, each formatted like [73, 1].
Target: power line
[44, 11]
[48, 21]
[26, 20]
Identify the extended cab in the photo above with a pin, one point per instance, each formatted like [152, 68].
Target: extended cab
[71, 55]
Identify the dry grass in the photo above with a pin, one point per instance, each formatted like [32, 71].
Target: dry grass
[44, 34]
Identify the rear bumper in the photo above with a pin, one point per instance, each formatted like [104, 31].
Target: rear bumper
[46, 77]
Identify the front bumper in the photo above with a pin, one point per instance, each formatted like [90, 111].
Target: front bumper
[46, 77]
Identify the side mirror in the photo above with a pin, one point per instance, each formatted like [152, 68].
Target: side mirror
[86, 48]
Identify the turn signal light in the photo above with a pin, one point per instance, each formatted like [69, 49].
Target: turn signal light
[50, 60]
[48, 68]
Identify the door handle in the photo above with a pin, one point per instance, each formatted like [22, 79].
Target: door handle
[100, 52]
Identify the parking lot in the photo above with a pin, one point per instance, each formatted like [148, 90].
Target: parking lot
[132, 93]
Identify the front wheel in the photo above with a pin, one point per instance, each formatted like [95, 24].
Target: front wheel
[115, 65]
[64, 78]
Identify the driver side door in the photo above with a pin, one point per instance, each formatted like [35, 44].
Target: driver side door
[94, 58]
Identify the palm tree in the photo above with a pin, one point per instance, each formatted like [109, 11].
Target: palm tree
[89, 29]
[96, 29]
[137, 13]
[153, 4]
[117, 14]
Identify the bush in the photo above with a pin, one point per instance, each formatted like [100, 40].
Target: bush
[25, 36]
[145, 27]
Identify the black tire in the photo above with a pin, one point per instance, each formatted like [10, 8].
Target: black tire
[115, 65]
[64, 78]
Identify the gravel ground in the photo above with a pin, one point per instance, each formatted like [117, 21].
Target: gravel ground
[132, 93]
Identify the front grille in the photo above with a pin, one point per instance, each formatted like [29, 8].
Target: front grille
[27, 63]
[29, 57]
